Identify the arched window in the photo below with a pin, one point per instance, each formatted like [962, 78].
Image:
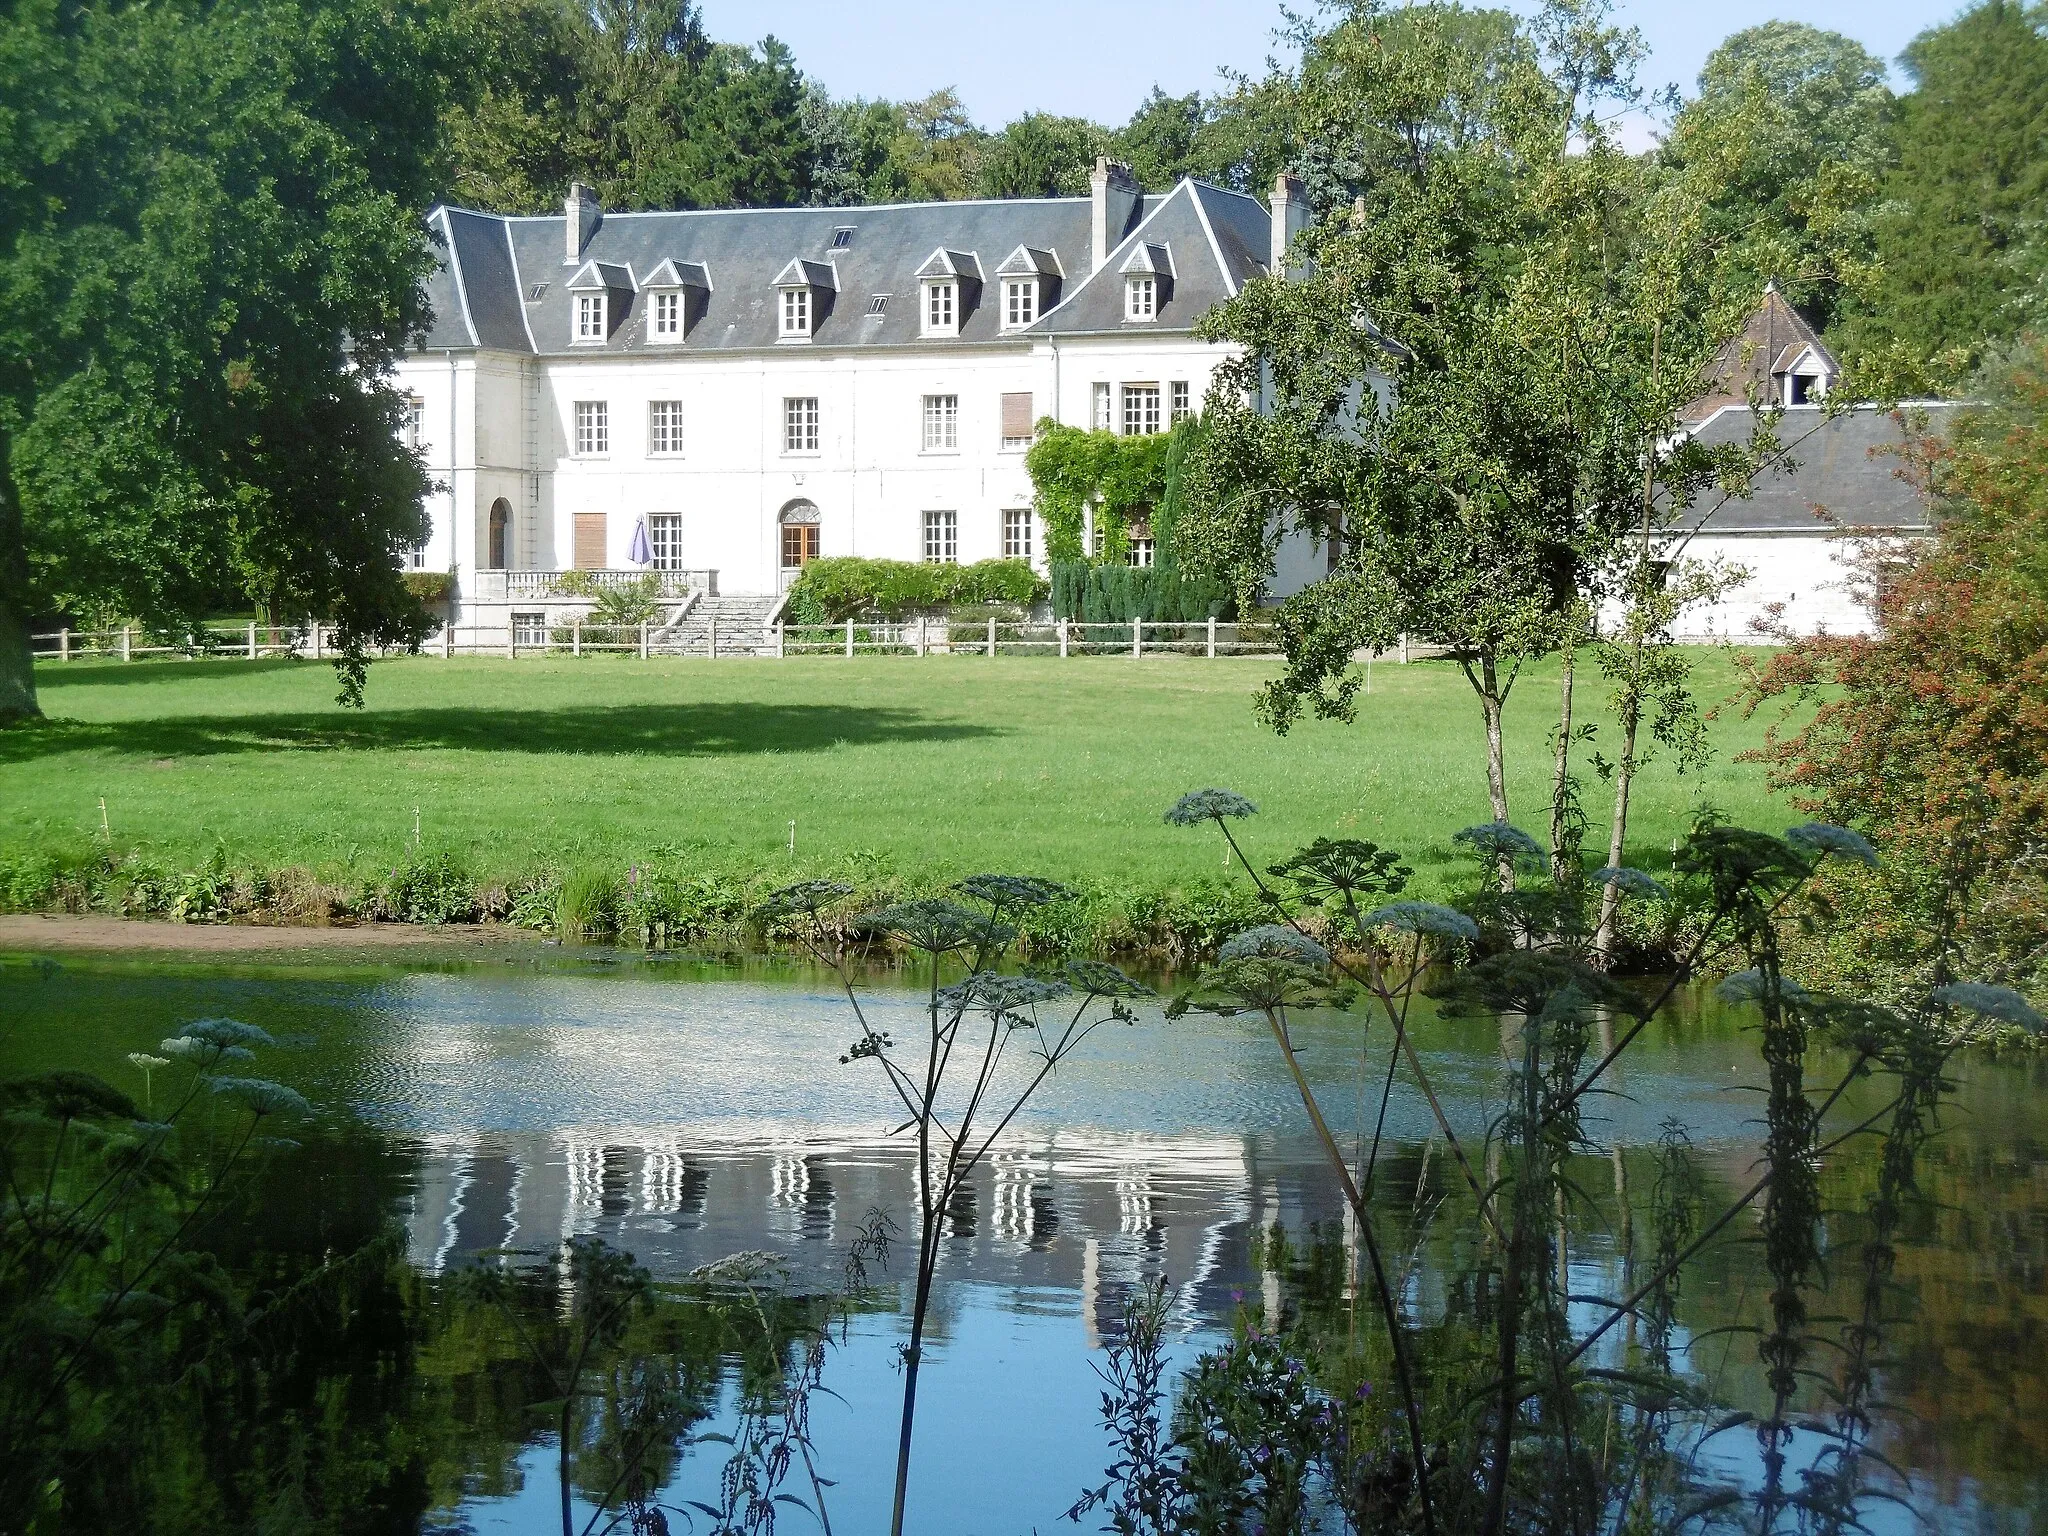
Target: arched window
[799, 521]
[501, 533]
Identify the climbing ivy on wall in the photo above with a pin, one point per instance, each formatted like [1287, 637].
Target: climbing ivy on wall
[1125, 479]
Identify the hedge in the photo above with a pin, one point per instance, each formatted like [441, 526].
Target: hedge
[832, 591]
[1114, 593]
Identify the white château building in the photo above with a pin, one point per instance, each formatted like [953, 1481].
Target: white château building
[722, 396]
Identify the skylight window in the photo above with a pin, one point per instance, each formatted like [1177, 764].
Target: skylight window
[878, 303]
[842, 237]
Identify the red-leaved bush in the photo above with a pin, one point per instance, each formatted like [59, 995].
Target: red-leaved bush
[1932, 735]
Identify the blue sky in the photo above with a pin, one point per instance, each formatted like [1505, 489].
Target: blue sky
[1098, 58]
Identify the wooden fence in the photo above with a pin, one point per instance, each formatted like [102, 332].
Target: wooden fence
[914, 637]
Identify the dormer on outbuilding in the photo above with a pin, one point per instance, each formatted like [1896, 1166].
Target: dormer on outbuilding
[677, 292]
[803, 298]
[949, 287]
[1776, 361]
[1030, 280]
[599, 295]
[1148, 281]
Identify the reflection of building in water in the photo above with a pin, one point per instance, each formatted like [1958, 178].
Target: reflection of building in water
[1094, 1213]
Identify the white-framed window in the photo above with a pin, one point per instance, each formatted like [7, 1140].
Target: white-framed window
[668, 316]
[529, 629]
[942, 538]
[593, 428]
[590, 324]
[665, 540]
[1099, 417]
[1017, 533]
[796, 312]
[412, 416]
[941, 423]
[1177, 407]
[1141, 547]
[800, 424]
[1141, 297]
[664, 426]
[941, 309]
[1141, 410]
[416, 558]
[1020, 302]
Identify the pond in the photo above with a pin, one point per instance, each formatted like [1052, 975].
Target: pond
[686, 1111]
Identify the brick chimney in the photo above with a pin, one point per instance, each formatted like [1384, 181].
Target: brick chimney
[1117, 197]
[1290, 217]
[580, 217]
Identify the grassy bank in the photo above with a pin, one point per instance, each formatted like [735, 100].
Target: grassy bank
[235, 785]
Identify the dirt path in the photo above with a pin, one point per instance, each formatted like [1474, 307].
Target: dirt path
[35, 933]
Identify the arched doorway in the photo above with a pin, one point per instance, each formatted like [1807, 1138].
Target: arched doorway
[799, 520]
[501, 534]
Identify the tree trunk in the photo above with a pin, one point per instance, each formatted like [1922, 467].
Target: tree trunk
[1496, 759]
[1624, 779]
[1562, 774]
[17, 666]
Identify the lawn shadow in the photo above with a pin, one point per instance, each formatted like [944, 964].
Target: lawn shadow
[668, 730]
[99, 672]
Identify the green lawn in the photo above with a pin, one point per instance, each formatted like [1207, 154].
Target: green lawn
[886, 765]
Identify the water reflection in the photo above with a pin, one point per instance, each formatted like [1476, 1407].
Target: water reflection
[685, 1121]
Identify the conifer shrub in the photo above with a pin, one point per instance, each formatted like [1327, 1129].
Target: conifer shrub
[845, 587]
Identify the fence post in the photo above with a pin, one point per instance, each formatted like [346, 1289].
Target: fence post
[849, 638]
[1404, 648]
[576, 635]
[712, 635]
[921, 634]
[778, 640]
[447, 638]
[252, 639]
[1137, 638]
[991, 638]
[126, 653]
[64, 645]
[1061, 625]
[511, 638]
[643, 639]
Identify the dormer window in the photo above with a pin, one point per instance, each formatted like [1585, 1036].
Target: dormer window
[591, 291]
[949, 282]
[1148, 279]
[796, 312]
[941, 309]
[1020, 302]
[1030, 281]
[676, 293]
[804, 298]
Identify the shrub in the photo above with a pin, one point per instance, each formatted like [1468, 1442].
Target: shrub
[429, 887]
[1110, 592]
[428, 587]
[586, 905]
[832, 591]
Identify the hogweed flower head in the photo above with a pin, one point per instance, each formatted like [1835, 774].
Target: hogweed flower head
[938, 926]
[2000, 1003]
[1015, 890]
[1274, 941]
[806, 896]
[1821, 837]
[1496, 840]
[1098, 978]
[1630, 882]
[1201, 805]
[1424, 917]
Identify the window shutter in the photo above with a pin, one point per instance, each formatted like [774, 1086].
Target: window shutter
[590, 541]
[1017, 415]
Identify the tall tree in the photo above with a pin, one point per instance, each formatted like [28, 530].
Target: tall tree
[1800, 120]
[1528, 312]
[1962, 240]
[210, 255]
[1159, 142]
[1041, 155]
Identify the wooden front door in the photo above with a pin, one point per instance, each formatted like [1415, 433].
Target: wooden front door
[799, 545]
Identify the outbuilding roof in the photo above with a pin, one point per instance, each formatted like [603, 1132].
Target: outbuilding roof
[1845, 469]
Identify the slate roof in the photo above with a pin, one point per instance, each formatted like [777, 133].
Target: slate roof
[502, 281]
[1769, 343]
[1838, 470]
